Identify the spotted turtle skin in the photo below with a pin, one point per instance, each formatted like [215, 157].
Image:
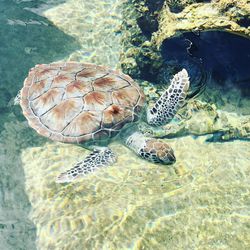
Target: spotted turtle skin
[77, 102]
[170, 101]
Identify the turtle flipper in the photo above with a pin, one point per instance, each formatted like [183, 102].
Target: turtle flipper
[151, 149]
[171, 100]
[100, 157]
[17, 98]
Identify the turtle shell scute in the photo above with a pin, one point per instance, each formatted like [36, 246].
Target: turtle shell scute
[76, 102]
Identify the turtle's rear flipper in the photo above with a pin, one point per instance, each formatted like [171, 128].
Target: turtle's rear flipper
[17, 98]
[100, 157]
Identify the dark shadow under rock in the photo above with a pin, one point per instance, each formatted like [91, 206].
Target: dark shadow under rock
[215, 59]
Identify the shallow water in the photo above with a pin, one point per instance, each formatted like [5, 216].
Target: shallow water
[202, 202]
[26, 39]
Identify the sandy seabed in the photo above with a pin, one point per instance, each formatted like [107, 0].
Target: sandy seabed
[201, 202]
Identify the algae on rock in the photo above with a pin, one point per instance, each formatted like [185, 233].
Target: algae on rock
[225, 15]
[139, 21]
[141, 56]
[201, 118]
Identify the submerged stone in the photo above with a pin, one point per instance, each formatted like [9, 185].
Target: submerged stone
[174, 18]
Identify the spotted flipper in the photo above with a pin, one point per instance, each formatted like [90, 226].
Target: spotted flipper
[99, 158]
[171, 100]
[151, 149]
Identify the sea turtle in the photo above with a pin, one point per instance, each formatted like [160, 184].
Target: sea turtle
[85, 103]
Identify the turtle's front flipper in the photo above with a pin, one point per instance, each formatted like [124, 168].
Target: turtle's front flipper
[100, 157]
[151, 149]
[171, 100]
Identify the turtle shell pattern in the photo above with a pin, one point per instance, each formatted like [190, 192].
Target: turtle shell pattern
[76, 102]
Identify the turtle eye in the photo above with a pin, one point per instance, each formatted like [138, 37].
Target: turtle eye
[129, 141]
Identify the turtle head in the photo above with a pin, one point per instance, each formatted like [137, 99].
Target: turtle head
[151, 149]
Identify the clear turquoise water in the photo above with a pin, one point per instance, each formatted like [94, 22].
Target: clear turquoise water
[136, 207]
[26, 39]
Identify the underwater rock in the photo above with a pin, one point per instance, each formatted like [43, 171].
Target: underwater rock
[171, 19]
[139, 205]
[201, 118]
[224, 15]
[139, 21]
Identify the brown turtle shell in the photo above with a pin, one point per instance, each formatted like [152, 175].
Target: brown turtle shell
[77, 102]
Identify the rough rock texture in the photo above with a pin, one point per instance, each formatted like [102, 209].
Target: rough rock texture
[141, 51]
[226, 15]
[200, 118]
[199, 203]
[139, 21]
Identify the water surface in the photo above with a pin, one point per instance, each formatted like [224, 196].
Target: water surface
[202, 202]
[26, 39]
